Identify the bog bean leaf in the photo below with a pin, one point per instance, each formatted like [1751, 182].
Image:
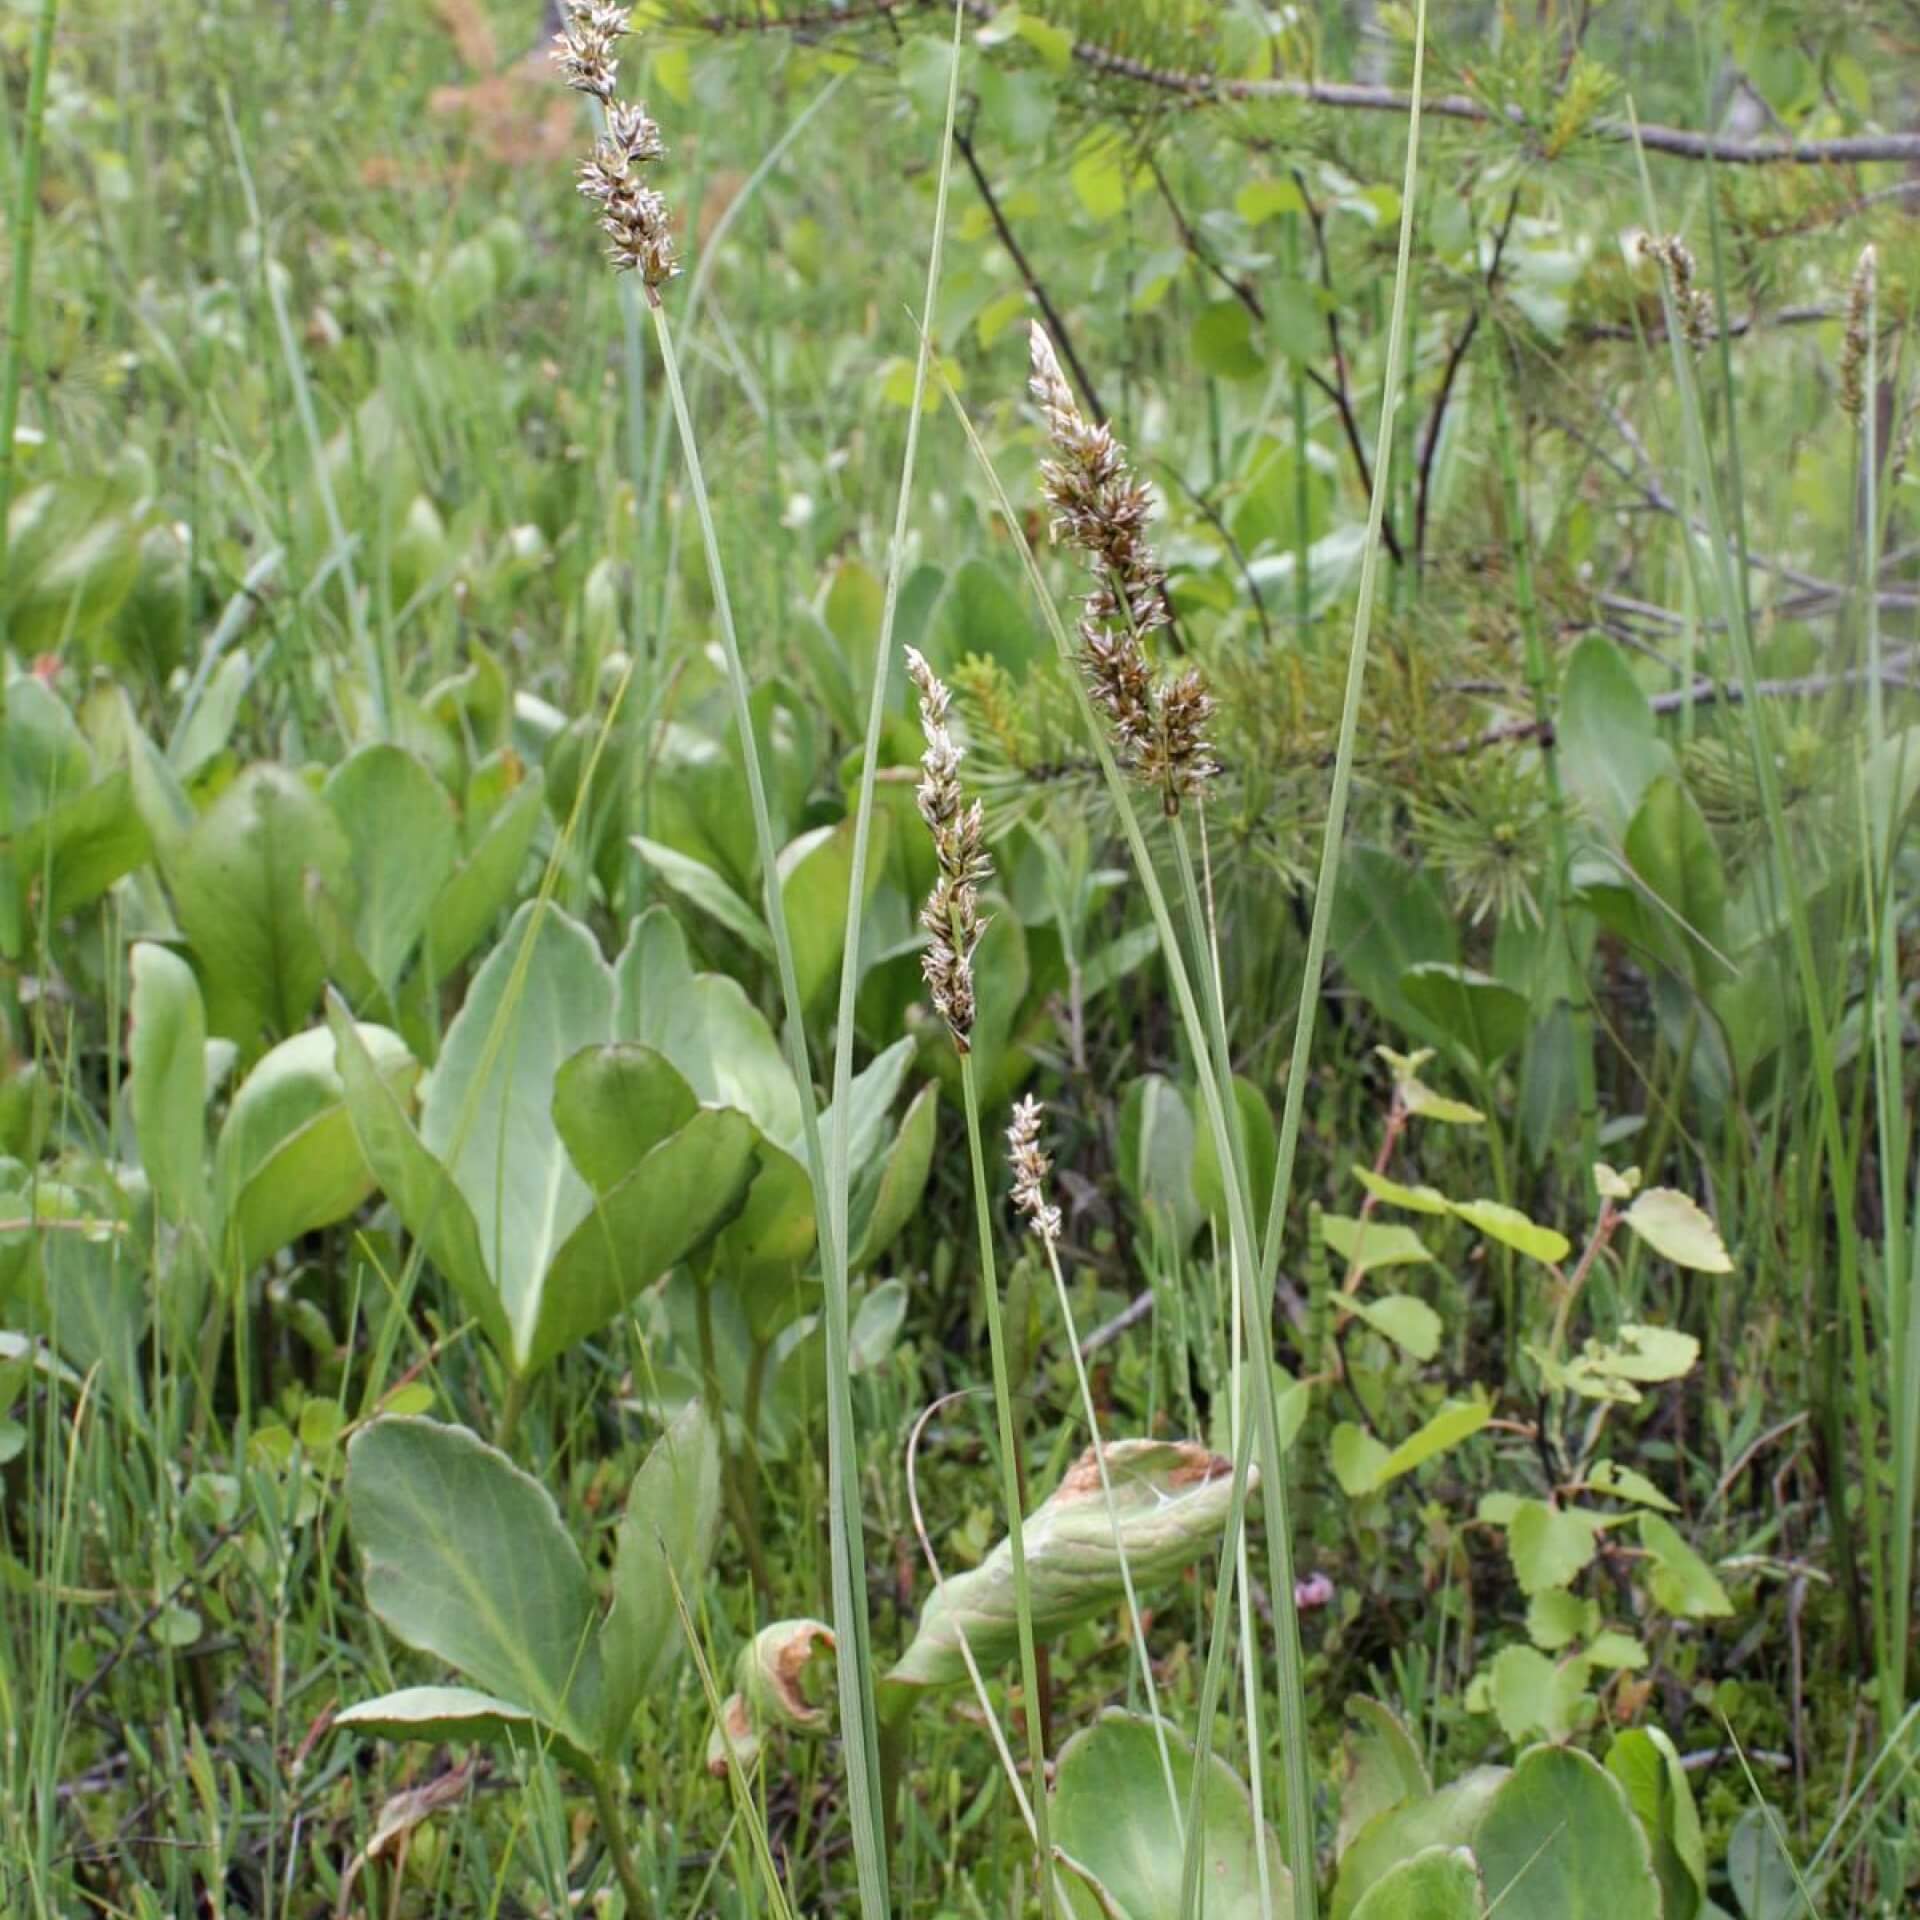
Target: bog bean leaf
[1115, 1830]
[1560, 1842]
[1439, 1883]
[466, 1558]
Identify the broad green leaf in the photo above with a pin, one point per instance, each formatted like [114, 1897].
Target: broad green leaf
[1438, 1883]
[1380, 1767]
[1611, 1184]
[1156, 1149]
[466, 1558]
[47, 762]
[1420, 1199]
[816, 874]
[1482, 1017]
[476, 891]
[1623, 1483]
[612, 1105]
[1678, 1229]
[696, 883]
[167, 1080]
[1112, 1820]
[1106, 175]
[96, 1289]
[455, 1716]
[666, 1537]
[1369, 1245]
[70, 854]
[869, 1100]
[347, 971]
[1513, 1229]
[1645, 1354]
[1549, 1546]
[1297, 318]
[877, 1321]
[1619, 1651]
[1425, 1104]
[1608, 743]
[1358, 1459]
[1262, 200]
[287, 1160]
[1054, 44]
[420, 1189]
[1761, 1873]
[983, 611]
[1256, 1131]
[1443, 1819]
[1387, 918]
[1560, 1842]
[1681, 1582]
[239, 890]
[886, 1197]
[1532, 1694]
[1671, 850]
[687, 1188]
[402, 847]
[1557, 1618]
[1408, 1322]
[486, 1112]
[765, 1251]
[1223, 342]
[1456, 1421]
[705, 1024]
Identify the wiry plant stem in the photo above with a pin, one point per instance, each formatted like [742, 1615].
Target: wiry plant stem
[855, 1665]
[1009, 1478]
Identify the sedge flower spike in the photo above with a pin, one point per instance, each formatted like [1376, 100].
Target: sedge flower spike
[1159, 728]
[952, 913]
[1030, 1170]
[632, 215]
[1853, 345]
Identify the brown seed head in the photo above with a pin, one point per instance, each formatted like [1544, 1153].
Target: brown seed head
[583, 48]
[1100, 508]
[632, 215]
[1853, 347]
[952, 913]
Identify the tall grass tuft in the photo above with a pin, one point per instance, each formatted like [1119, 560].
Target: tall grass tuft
[635, 219]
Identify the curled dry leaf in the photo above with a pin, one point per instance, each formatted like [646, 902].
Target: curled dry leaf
[1170, 1498]
[769, 1693]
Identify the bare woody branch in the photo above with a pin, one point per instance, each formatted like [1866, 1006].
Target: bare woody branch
[1204, 89]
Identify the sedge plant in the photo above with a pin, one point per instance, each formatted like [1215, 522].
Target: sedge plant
[634, 217]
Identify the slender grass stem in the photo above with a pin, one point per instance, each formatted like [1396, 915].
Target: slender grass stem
[855, 1665]
[857, 1704]
[1009, 1477]
[1213, 1103]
